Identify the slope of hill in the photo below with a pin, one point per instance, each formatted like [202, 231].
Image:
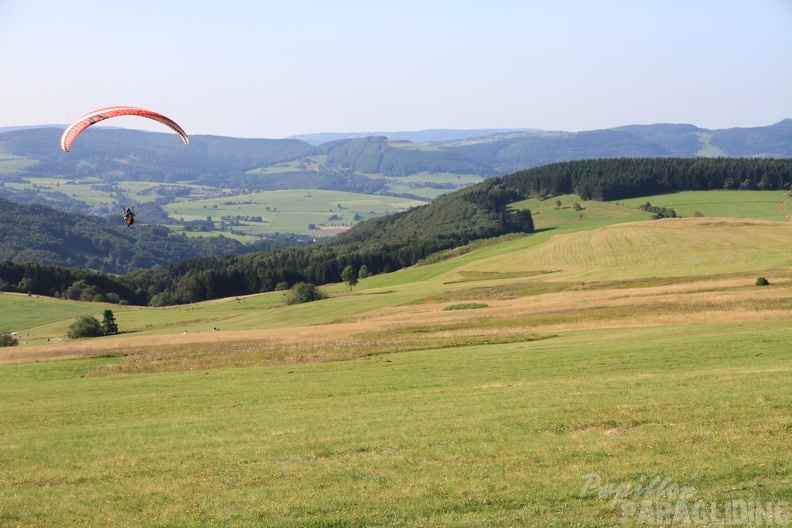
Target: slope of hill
[377, 155]
[770, 141]
[36, 233]
[400, 404]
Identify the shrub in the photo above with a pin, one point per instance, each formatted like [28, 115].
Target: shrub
[85, 326]
[761, 281]
[466, 306]
[304, 292]
[7, 340]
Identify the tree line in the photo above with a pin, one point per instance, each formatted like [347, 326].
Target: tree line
[621, 178]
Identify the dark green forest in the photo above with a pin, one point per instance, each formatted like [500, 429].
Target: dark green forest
[396, 241]
[617, 179]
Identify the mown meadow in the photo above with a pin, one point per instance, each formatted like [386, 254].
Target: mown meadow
[605, 371]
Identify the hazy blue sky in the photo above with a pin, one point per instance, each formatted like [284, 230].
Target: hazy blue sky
[260, 68]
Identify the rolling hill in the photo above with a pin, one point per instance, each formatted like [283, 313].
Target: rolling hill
[114, 154]
[519, 381]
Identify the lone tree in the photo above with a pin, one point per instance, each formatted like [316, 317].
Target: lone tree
[350, 276]
[364, 272]
[109, 326]
[85, 326]
[523, 221]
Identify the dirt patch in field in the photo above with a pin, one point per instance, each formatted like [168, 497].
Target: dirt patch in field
[332, 230]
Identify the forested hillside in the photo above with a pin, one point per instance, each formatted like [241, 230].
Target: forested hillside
[376, 155]
[36, 233]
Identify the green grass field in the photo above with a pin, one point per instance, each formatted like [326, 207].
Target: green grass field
[616, 371]
[10, 164]
[293, 166]
[732, 204]
[291, 211]
[496, 435]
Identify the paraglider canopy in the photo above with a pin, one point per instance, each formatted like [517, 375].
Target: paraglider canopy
[91, 118]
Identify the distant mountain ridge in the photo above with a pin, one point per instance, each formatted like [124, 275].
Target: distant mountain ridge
[434, 135]
[13, 128]
[372, 164]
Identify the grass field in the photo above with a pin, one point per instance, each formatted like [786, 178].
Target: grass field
[10, 164]
[616, 371]
[413, 184]
[770, 205]
[291, 211]
[84, 190]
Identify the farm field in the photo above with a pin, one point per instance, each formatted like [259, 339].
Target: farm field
[103, 198]
[522, 381]
[420, 184]
[291, 211]
[86, 190]
[770, 205]
[10, 164]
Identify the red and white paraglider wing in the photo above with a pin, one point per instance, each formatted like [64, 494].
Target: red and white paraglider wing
[91, 118]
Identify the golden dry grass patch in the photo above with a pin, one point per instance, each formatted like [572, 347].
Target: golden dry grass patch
[724, 300]
[131, 344]
[697, 302]
[669, 246]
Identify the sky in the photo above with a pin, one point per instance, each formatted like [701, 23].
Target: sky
[272, 69]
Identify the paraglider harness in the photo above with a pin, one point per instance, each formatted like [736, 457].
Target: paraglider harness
[129, 216]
